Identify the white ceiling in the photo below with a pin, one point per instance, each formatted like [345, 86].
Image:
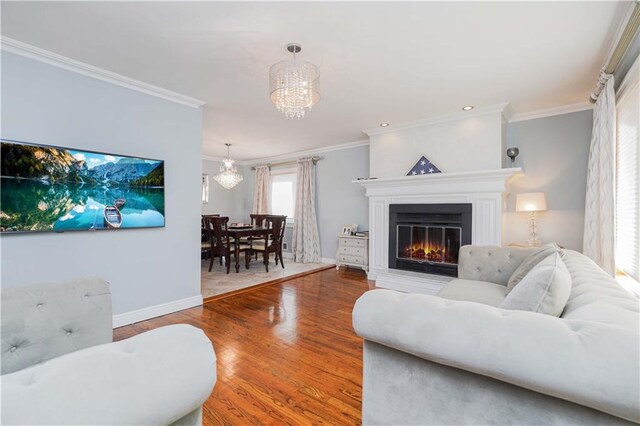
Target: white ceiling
[379, 62]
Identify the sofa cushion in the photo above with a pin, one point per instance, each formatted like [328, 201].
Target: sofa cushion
[474, 291]
[545, 289]
[532, 260]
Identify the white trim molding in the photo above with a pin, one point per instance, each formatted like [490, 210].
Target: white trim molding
[306, 153]
[549, 112]
[501, 108]
[41, 55]
[218, 159]
[143, 314]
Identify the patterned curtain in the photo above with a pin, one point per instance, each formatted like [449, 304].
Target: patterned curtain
[599, 224]
[306, 241]
[261, 191]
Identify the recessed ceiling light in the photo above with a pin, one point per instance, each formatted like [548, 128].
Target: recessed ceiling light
[384, 124]
[467, 108]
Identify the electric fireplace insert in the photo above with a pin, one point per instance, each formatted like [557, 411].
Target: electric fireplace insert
[427, 237]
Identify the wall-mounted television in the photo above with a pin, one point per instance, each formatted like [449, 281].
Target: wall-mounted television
[50, 188]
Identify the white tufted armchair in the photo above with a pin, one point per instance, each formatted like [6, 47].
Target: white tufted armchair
[59, 365]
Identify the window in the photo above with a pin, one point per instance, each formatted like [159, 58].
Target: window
[205, 189]
[628, 176]
[283, 193]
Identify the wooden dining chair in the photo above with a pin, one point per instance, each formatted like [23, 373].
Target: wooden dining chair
[256, 220]
[272, 242]
[219, 244]
[204, 236]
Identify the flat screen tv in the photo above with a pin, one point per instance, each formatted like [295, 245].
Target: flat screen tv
[50, 188]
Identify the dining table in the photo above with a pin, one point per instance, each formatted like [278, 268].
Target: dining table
[244, 231]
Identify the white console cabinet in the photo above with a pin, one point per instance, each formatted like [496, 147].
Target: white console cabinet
[353, 251]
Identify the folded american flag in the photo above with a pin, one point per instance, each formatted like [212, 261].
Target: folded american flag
[423, 167]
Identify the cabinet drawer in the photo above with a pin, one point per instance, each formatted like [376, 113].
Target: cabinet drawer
[352, 242]
[351, 251]
[358, 260]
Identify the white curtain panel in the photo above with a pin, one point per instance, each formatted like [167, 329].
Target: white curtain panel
[599, 215]
[306, 240]
[261, 191]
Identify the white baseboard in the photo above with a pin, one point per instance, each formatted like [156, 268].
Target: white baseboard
[289, 255]
[155, 311]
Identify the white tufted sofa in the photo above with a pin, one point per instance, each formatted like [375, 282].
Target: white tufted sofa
[458, 359]
[60, 367]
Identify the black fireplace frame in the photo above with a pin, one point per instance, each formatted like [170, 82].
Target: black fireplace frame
[450, 215]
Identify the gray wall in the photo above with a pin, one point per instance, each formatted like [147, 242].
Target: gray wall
[145, 267]
[338, 201]
[226, 202]
[554, 152]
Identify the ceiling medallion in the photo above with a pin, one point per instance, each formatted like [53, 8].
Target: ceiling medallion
[228, 176]
[294, 85]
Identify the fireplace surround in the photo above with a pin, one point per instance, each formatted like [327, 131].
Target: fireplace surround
[484, 190]
[427, 237]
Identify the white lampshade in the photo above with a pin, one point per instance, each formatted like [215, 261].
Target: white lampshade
[531, 202]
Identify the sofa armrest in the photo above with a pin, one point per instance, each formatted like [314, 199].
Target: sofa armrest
[588, 363]
[153, 378]
[490, 263]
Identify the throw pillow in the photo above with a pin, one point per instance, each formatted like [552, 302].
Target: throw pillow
[532, 260]
[545, 289]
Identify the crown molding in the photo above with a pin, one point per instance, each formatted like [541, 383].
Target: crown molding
[50, 58]
[439, 119]
[549, 112]
[626, 16]
[219, 159]
[292, 155]
[305, 153]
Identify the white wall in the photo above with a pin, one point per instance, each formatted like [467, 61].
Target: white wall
[146, 267]
[226, 202]
[554, 152]
[465, 144]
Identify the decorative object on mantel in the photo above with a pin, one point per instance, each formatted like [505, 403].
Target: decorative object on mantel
[228, 176]
[532, 202]
[513, 153]
[294, 85]
[423, 167]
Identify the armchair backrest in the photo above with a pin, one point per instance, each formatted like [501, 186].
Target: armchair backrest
[44, 321]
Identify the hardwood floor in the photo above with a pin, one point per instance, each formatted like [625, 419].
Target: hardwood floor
[287, 353]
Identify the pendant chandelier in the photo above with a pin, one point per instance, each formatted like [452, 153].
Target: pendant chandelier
[294, 85]
[228, 176]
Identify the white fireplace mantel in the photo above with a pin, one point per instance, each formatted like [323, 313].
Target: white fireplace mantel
[484, 190]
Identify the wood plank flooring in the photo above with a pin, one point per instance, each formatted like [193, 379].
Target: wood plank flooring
[287, 353]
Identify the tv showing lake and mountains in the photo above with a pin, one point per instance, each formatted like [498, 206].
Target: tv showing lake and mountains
[48, 188]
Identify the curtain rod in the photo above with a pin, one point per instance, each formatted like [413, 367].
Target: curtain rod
[626, 38]
[315, 160]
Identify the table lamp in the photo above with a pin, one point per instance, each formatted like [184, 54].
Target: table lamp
[532, 202]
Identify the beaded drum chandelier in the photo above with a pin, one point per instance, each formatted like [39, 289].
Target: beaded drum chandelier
[228, 176]
[294, 85]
